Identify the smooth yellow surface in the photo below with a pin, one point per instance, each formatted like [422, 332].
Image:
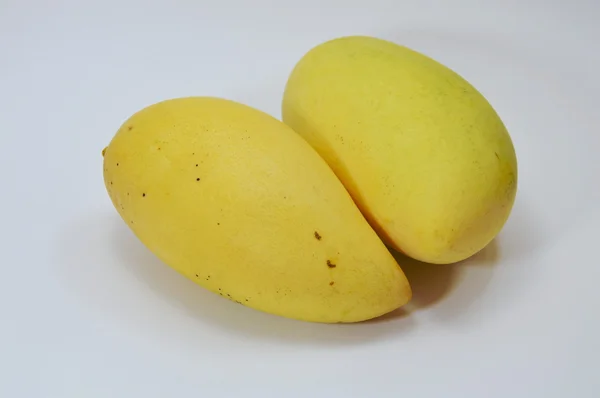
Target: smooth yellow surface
[424, 155]
[236, 201]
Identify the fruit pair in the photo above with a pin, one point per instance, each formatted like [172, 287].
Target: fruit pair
[267, 214]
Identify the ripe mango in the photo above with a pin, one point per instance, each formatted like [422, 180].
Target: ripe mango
[237, 202]
[424, 155]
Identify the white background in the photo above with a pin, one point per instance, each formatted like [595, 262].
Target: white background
[87, 311]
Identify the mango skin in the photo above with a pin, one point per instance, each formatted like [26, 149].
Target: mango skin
[422, 152]
[237, 202]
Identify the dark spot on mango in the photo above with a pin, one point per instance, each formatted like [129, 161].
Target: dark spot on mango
[144, 195]
[129, 128]
[198, 179]
[196, 164]
[317, 236]
[331, 283]
[497, 157]
[330, 264]
[117, 164]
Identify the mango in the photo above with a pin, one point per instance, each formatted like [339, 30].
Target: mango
[237, 202]
[424, 155]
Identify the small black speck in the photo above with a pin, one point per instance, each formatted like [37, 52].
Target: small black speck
[117, 164]
[196, 275]
[219, 289]
[330, 264]
[111, 183]
[247, 300]
[193, 153]
[158, 148]
[221, 294]
[207, 278]
[218, 223]
[228, 295]
[196, 164]
[144, 195]
[130, 128]
[131, 221]
[317, 236]
[331, 283]
[198, 179]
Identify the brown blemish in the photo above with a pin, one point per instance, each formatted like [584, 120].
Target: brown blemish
[196, 164]
[197, 275]
[104, 151]
[198, 179]
[497, 157]
[331, 283]
[317, 236]
[111, 183]
[129, 128]
[144, 195]
[158, 148]
[330, 264]
[218, 223]
[117, 164]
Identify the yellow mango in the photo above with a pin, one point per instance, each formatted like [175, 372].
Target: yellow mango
[237, 202]
[422, 152]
